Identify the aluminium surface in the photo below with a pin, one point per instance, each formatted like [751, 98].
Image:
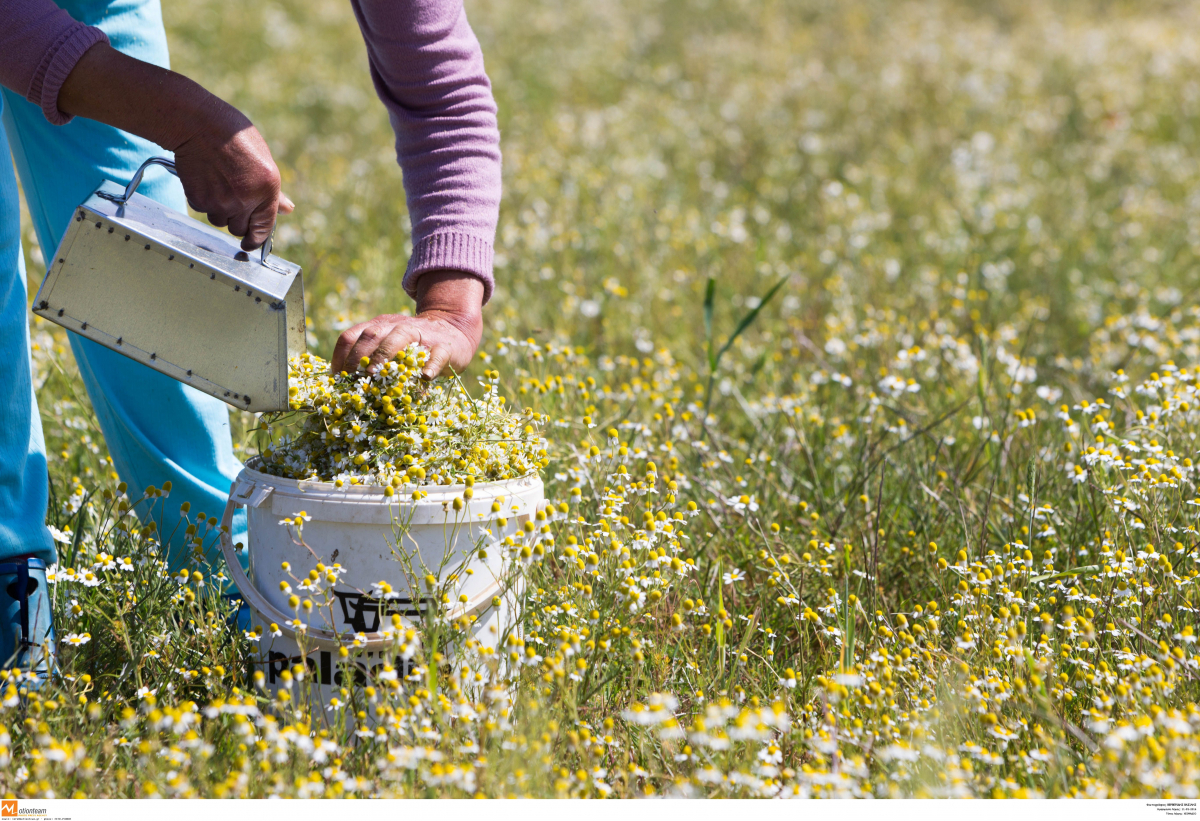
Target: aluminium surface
[178, 296]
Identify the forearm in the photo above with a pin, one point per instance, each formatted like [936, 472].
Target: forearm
[450, 292]
[223, 162]
[143, 99]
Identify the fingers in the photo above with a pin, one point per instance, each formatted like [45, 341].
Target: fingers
[382, 338]
[379, 343]
[345, 342]
[401, 337]
[230, 176]
[378, 340]
[372, 334]
[238, 225]
[258, 227]
[217, 218]
[439, 357]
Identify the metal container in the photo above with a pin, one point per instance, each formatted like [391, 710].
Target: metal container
[178, 296]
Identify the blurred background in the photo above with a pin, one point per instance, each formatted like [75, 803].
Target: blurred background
[1024, 163]
[980, 217]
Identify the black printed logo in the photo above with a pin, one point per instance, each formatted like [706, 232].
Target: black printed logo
[362, 613]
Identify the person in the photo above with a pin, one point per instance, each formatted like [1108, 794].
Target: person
[88, 95]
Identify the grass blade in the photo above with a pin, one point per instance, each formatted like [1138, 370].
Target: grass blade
[749, 318]
[1079, 571]
[709, 297]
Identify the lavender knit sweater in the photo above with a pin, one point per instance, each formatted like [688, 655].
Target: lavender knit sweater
[428, 71]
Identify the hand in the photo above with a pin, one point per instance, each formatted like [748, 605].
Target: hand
[228, 173]
[449, 322]
[223, 162]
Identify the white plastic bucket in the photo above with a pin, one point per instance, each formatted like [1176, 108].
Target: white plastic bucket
[375, 539]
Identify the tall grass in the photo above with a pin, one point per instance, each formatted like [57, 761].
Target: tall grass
[923, 525]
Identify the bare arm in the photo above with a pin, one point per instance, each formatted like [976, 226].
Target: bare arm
[223, 162]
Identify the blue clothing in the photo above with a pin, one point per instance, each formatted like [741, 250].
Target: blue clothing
[27, 639]
[156, 429]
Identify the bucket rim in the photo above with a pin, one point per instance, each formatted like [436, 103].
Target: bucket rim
[434, 493]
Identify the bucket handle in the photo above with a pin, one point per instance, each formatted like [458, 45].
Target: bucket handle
[325, 639]
[169, 164]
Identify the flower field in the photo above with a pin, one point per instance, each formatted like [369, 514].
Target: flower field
[863, 342]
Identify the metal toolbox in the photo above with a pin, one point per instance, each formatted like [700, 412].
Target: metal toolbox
[178, 296]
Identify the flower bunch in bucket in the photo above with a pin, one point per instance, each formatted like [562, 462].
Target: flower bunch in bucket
[389, 427]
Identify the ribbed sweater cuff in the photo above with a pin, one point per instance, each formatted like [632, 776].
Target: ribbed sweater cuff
[451, 252]
[56, 66]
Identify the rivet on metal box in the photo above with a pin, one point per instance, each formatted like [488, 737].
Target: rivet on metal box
[178, 296]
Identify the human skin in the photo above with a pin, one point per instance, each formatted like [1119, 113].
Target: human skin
[223, 162]
[449, 322]
[228, 173]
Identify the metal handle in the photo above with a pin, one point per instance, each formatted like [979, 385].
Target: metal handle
[170, 166]
[137, 177]
[266, 246]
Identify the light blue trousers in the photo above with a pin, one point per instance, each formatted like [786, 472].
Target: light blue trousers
[156, 428]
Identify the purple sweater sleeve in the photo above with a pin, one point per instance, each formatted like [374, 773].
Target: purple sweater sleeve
[428, 71]
[39, 45]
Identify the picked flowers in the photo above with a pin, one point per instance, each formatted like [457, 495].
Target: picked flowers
[389, 427]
